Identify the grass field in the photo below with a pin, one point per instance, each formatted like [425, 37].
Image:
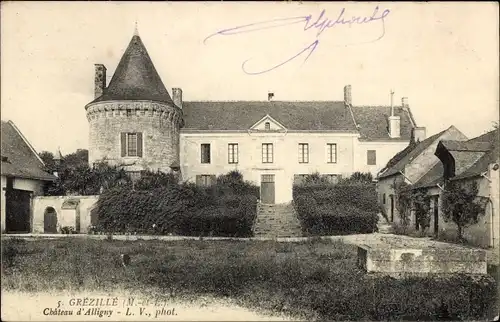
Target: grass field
[316, 279]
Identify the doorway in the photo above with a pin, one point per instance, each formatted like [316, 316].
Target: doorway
[17, 211]
[436, 214]
[267, 189]
[50, 221]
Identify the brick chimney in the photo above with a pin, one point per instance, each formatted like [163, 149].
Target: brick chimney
[347, 95]
[394, 121]
[99, 80]
[177, 97]
[270, 96]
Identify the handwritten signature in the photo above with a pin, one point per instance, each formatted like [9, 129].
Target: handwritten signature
[321, 24]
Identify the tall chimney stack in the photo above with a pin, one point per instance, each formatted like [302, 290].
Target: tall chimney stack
[99, 80]
[394, 121]
[347, 95]
[177, 97]
[404, 102]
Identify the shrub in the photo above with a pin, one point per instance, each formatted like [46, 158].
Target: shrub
[163, 206]
[345, 208]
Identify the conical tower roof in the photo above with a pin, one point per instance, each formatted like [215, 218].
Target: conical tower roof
[135, 77]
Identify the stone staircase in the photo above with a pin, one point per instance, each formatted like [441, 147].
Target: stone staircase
[279, 220]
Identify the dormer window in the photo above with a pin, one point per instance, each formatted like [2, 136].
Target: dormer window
[267, 126]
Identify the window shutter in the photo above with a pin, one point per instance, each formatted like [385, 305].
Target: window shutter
[139, 144]
[124, 144]
[198, 180]
[213, 179]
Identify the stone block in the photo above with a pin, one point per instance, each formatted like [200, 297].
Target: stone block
[434, 260]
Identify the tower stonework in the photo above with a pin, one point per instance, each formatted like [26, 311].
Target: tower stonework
[134, 122]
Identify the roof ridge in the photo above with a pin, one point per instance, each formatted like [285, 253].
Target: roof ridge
[26, 141]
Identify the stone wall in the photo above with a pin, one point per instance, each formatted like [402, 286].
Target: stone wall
[78, 217]
[158, 122]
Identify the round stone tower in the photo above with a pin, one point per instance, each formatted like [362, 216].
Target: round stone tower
[134, 122]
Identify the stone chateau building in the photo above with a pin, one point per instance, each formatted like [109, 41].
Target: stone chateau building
[135, 122]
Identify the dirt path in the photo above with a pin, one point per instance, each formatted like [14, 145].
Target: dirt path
[18, 306]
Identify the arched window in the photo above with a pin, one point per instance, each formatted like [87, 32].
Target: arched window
[267, 126]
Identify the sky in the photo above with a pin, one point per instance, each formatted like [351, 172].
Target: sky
[442, 56]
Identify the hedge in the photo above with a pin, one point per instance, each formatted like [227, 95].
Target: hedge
[226, 209]
[346, 208]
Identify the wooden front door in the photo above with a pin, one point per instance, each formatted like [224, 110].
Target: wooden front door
[50, 221]
[267, 189]
[18, 211]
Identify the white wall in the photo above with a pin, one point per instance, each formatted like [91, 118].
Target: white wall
[384, 152]
[65, 217]
[351, 156]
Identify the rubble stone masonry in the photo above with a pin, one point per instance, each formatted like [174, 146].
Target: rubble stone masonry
[158, 122]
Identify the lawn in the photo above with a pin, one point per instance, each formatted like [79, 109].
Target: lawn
[313, 279]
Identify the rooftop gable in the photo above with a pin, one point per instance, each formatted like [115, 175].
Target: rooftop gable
[400, 160]
[19, 159]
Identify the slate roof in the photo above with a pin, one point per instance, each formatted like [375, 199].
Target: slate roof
[374, 122]
[400, 160]
[241, 115]
[135, 77]
[453, 145]
[431, 178]
[474, 145]
[294, 115]
[491, 156]
[18, 157]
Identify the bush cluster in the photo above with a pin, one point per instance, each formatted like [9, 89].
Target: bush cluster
[163, 206]
[344, 208]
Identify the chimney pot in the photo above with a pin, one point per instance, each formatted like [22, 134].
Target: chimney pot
[177, 97]
[99, 80]
[347, 95]
[404, 102]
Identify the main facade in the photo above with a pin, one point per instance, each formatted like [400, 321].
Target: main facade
[135, 123]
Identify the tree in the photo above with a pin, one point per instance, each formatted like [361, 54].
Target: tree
[462, 205]
[83, 180]
[48, 159]
[421, 206]
[403, 202]
[76, 159]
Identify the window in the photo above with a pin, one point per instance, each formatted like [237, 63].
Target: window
[303, 153]
[332, 152]
[383, 198]
[131, 144]
[371, 157]
[205, 179]
[205, 153]
[267, 153]
[232, 153]
[267, 126]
